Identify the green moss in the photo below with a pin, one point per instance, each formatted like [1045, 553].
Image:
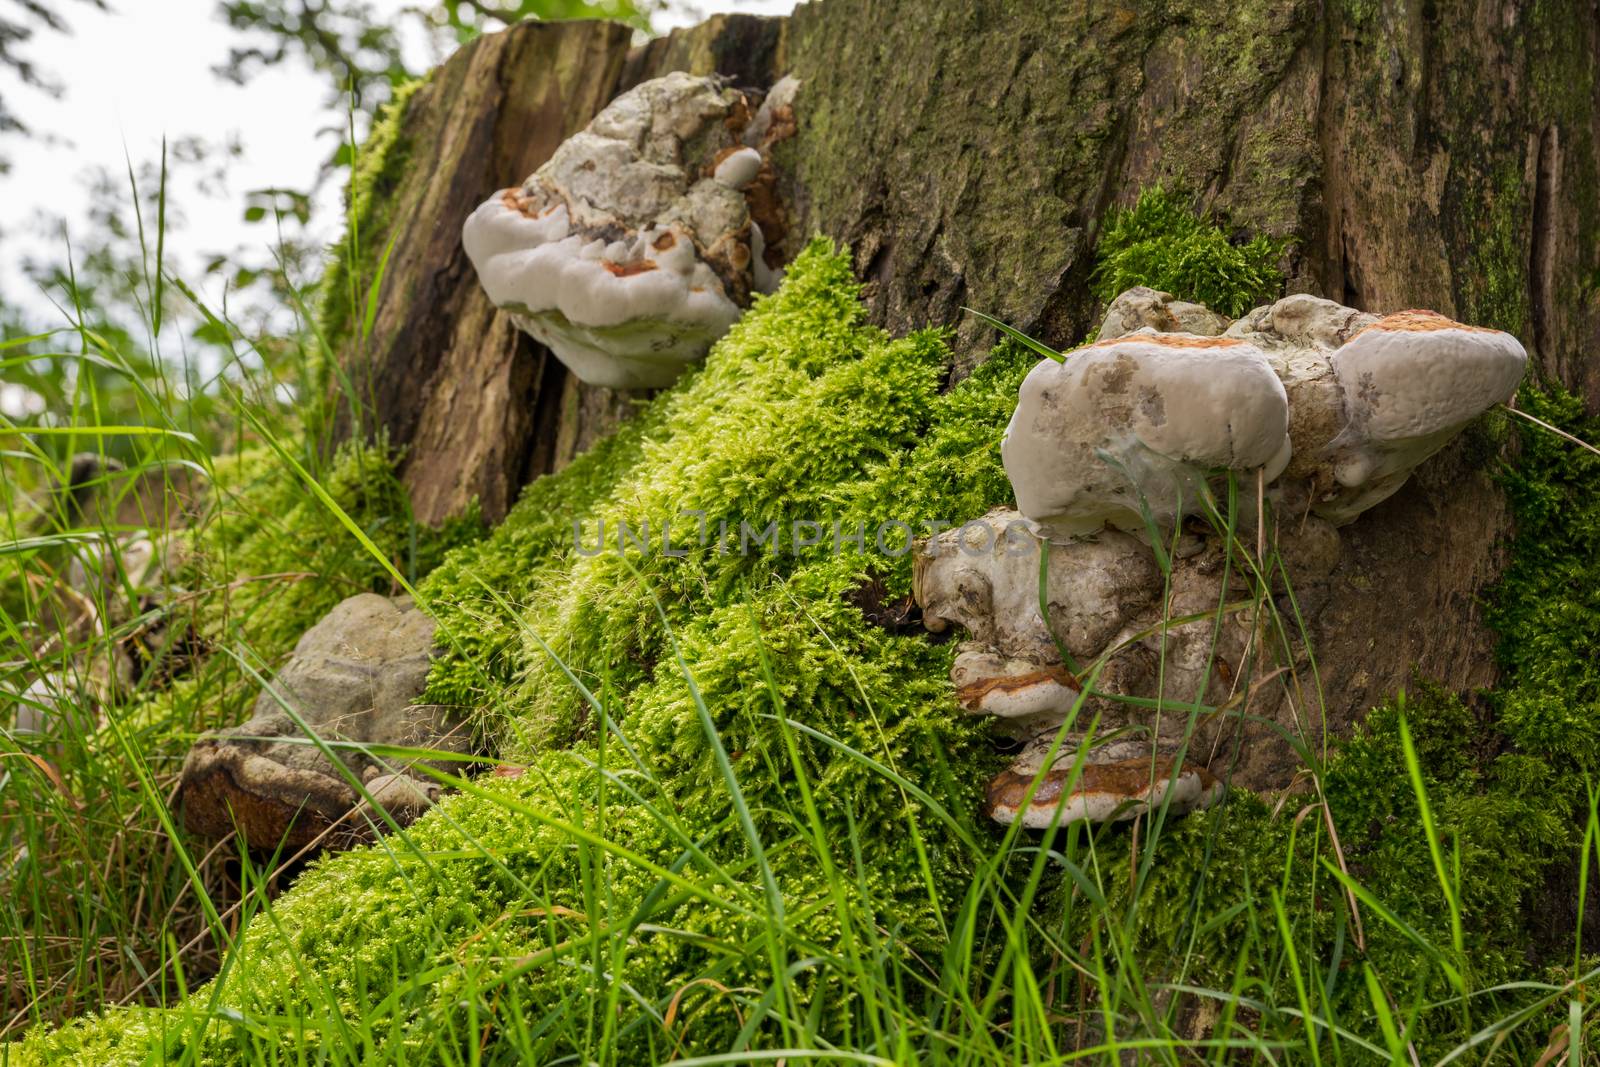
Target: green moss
[1160, 242]
[471, 591]
[370, 202]
[515, 909]
[1494, 291]
[1548, 604]
[802, 412]
[803, 417]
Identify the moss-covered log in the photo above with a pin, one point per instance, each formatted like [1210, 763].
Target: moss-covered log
[970, 153]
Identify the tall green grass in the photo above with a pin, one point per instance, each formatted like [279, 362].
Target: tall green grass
[105, 900]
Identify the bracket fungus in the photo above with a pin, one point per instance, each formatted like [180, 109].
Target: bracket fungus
[1327, 408]
[1370, 398]
[1140, 421]
[1106, 597]
[1116, 781]
[633, 248]
[353, 679]
[984, 577]
[1411, 381]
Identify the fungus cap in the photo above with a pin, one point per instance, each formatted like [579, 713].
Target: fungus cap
[629, 314]
[1148, 415]
[1117, 781]
[1142, 306]
[1411, 381]
[987, 684]
[738, 168]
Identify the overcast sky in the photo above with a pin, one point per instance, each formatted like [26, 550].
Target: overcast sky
[144, 71]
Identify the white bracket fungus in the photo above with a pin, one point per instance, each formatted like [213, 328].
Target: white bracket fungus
[1141, 421]
[633, 248]
[985, 577]
[1411, 382]
[1370, 398]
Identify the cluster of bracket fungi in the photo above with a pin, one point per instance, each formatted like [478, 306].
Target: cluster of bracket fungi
[1317, 410]
[633, 249]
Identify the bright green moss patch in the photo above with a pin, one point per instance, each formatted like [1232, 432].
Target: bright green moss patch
[1548, 606]
[1160, 242]
[804, 426]
[471, 591]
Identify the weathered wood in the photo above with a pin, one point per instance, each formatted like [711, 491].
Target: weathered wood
[1433, 156]
[445, 377]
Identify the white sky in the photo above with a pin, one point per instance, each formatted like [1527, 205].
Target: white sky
[144, 71]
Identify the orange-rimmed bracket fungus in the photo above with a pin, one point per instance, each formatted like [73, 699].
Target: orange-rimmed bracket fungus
[1111, 782]
[1135, 425]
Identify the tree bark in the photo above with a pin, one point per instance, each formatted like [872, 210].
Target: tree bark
[1443, 155]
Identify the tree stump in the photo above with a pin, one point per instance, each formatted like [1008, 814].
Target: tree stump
[969, 151]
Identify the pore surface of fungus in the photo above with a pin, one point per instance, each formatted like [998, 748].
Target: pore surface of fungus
[1115, 781]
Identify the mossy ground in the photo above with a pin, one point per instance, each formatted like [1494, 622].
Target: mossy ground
[760, 831]
[802, 414]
